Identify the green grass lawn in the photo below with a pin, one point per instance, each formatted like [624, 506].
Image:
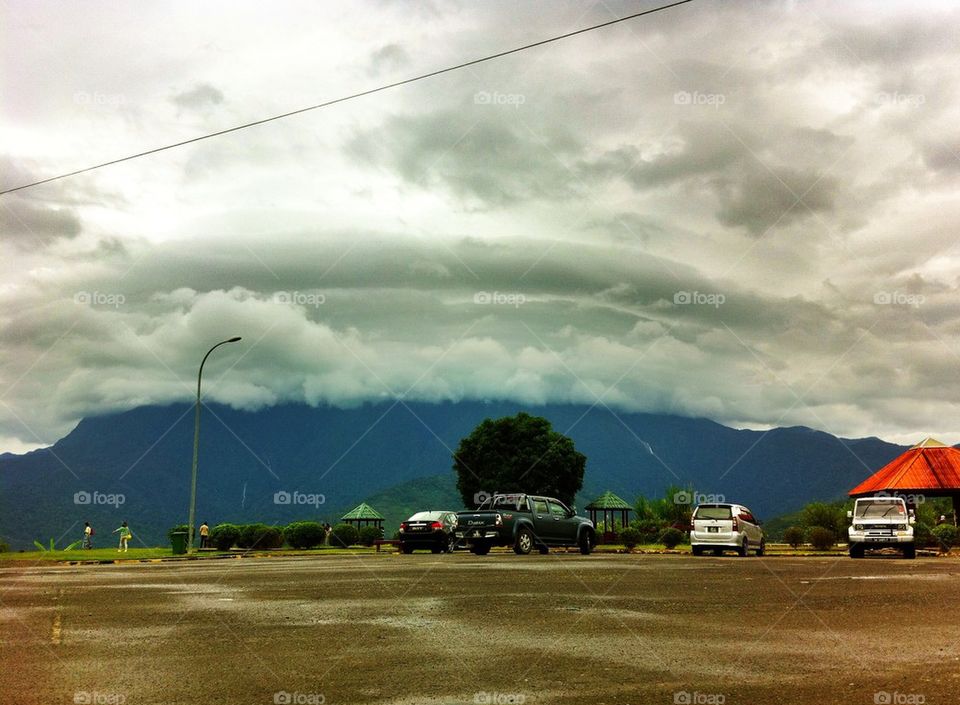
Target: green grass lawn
[108, 554]
[95, 554]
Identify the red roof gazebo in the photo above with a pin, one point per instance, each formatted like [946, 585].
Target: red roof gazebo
[930, 468]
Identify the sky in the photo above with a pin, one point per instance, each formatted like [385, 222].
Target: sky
[743, 211]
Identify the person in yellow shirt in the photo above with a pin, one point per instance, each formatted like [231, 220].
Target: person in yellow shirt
[204, 535]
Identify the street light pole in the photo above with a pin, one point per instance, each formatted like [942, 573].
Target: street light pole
[196, 445]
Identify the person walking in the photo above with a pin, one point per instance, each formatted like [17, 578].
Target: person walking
[125, 535]
[204, 535]
[87, 535]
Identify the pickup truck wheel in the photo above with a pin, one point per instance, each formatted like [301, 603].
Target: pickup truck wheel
[856, 550]
[524, 542]
[436, 549]
[481, 549]
[910, 551]
[696, 550]
[406, 549]
[744, 547]
[586, 542]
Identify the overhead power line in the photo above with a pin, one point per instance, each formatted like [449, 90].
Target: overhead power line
[345, 98]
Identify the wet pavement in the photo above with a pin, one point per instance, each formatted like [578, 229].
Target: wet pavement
[431, 629]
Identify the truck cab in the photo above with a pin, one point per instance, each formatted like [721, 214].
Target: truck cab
[881, 522]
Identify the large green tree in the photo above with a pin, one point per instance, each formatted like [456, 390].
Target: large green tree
[519, 453]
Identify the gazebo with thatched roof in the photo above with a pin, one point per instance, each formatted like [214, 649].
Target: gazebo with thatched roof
[363, 515]
[609, 504]
[929, 469]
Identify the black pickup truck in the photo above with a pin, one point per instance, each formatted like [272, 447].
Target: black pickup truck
[524, 522]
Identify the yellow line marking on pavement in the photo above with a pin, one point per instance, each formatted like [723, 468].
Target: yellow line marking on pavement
[55, 631]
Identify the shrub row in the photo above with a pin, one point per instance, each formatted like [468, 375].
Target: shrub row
[299, 535]
[943, 536]
[821, 538]
[225, 536]
[648, 532]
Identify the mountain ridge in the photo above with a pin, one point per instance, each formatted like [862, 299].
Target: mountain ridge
[349, 455]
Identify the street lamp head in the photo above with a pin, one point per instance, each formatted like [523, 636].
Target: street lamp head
[234, 340]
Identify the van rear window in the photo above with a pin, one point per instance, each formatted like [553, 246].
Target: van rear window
[713, 513]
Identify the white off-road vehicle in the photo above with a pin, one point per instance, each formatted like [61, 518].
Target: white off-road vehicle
[881, 522]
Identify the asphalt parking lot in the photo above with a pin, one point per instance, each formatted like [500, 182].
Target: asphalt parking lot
[428, 629]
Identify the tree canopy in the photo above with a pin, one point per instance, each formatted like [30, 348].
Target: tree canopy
[519, 453]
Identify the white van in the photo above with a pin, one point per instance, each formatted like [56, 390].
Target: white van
[720, 527]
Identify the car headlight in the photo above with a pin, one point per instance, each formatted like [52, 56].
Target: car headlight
[858, 527]
[901, 527]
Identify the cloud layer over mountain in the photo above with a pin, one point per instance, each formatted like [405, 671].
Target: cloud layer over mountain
[743, 211]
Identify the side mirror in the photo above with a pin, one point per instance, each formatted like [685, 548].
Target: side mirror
[913, 519]
[849, 514]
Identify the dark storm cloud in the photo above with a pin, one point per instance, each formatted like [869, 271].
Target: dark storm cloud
[389, 57]
[757, 198]
[490, 158]
[27, 223]
[202, 95]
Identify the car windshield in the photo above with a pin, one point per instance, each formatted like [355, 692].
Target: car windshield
[427, 516]
[879, 509]
[713, 513]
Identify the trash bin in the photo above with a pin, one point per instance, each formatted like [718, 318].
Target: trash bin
[179, 541]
